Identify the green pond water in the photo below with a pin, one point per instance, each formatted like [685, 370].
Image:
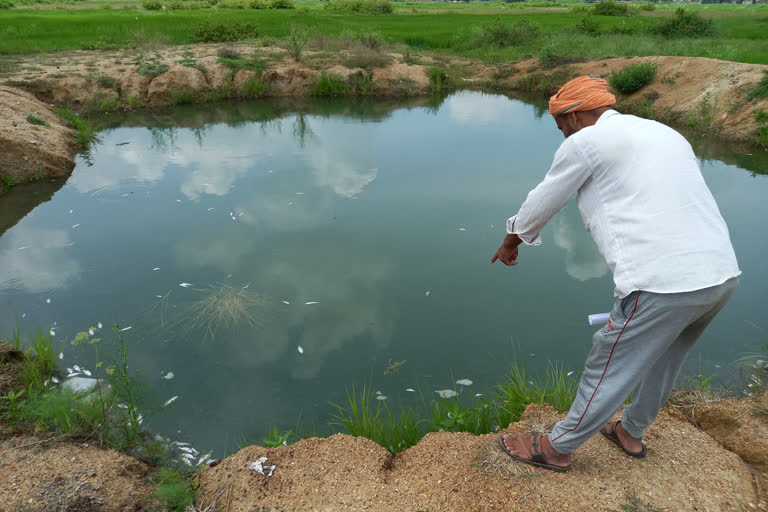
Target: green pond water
[319, 242]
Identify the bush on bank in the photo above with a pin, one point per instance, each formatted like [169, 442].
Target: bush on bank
[633, 77]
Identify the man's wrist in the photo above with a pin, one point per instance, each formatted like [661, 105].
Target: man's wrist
[512, 241]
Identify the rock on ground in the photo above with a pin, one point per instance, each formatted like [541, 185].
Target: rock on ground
[685, 468]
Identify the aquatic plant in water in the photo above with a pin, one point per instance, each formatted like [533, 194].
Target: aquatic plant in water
[223, 307]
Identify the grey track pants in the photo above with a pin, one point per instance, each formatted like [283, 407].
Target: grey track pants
[640, 351]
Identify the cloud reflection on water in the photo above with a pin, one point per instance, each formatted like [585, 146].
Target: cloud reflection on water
[40, 266]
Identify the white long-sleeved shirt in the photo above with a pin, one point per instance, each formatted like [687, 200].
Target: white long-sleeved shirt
[643, 198]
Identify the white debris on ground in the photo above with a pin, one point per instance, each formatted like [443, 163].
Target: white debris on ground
[260, 467]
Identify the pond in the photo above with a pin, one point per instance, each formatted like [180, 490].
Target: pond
[269, 256]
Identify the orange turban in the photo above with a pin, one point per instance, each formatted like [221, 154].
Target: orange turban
[583, 93]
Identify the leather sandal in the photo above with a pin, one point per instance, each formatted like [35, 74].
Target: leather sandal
[537, 457]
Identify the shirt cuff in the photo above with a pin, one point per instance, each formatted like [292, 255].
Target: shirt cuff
[527, 239]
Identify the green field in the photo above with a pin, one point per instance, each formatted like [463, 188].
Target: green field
[740, 32]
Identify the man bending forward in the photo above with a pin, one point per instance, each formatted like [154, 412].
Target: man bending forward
[642, 197]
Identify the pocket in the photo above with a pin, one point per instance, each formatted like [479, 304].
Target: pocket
[627, 304]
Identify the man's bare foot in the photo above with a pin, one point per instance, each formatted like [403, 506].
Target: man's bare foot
[631, 445]
[536, 450]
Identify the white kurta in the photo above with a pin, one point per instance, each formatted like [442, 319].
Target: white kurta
[643, 198]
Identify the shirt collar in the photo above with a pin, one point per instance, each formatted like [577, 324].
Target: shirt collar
[607, 114]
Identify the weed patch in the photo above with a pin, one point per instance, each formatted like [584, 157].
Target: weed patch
[106, 82]
[219, 32]
[188, 60]
[176, 489]
[36, 120]
[7, 181]
[543, 83]
[254, 87]
[238, 64]
[633, 77]
[500, 35]
[86, 131]
[761, 89]
[330, 85]
[366, 59]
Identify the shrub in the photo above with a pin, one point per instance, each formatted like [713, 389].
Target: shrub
[371, 40]
[761, 117]
[232, 4]
[648, 7]
[258, 4]
[152, 5]
[588, 25]
[228, 53]
[282, 4]
[296, 42]
[330, 85]
[365, 6]
[151, 68]
[219, 32]
[611, 8]
[684, 24]
[633, 77]
[366, 59]
[6, 4]
[106, 82]
[500, 34]
[253, 88]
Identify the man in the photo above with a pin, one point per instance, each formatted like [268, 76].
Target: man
[641, 195]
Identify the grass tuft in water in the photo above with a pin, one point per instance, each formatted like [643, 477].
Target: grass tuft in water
[223, 308]
[86, 131]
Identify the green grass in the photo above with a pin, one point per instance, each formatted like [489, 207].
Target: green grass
[175, 489]
[7, 181]
[761, 89]
[36, 120]
[86, 130]
[364, 415]
[740, 37]
[633, 77]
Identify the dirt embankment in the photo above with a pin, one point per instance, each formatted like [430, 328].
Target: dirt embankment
[709, 94]
[686, 469]
[703, 455]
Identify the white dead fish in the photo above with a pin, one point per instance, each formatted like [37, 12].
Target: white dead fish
[122, 406]
[47, 301]
[22, 248]
[311, 302]
[188, 456]
[185, 285]
[73, 227]
[569, 373]
[186, 449]
[427, 293]
[61, 355]
[69, 370]
[90, 331]
[141, 419]
[241, 214]
[462, 229]
[230, 275]
[126, 328]
[54, 380]
[381, 397]
[98, 325]
[77, 368]
[156, 268]
[87, 373]
[299, 193]
[246, 286]
[124, 195]
[168, 376]
[186, 461]
[301, 350]
[52, 332]
[211, 209]
[24, 315]
[478, 394]
[286, 302]
[464, 382]
[446, 393]
[70, 211]
[178, 200]
[378, 392]
[410, 390]
[170, 401]
[204, 458]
